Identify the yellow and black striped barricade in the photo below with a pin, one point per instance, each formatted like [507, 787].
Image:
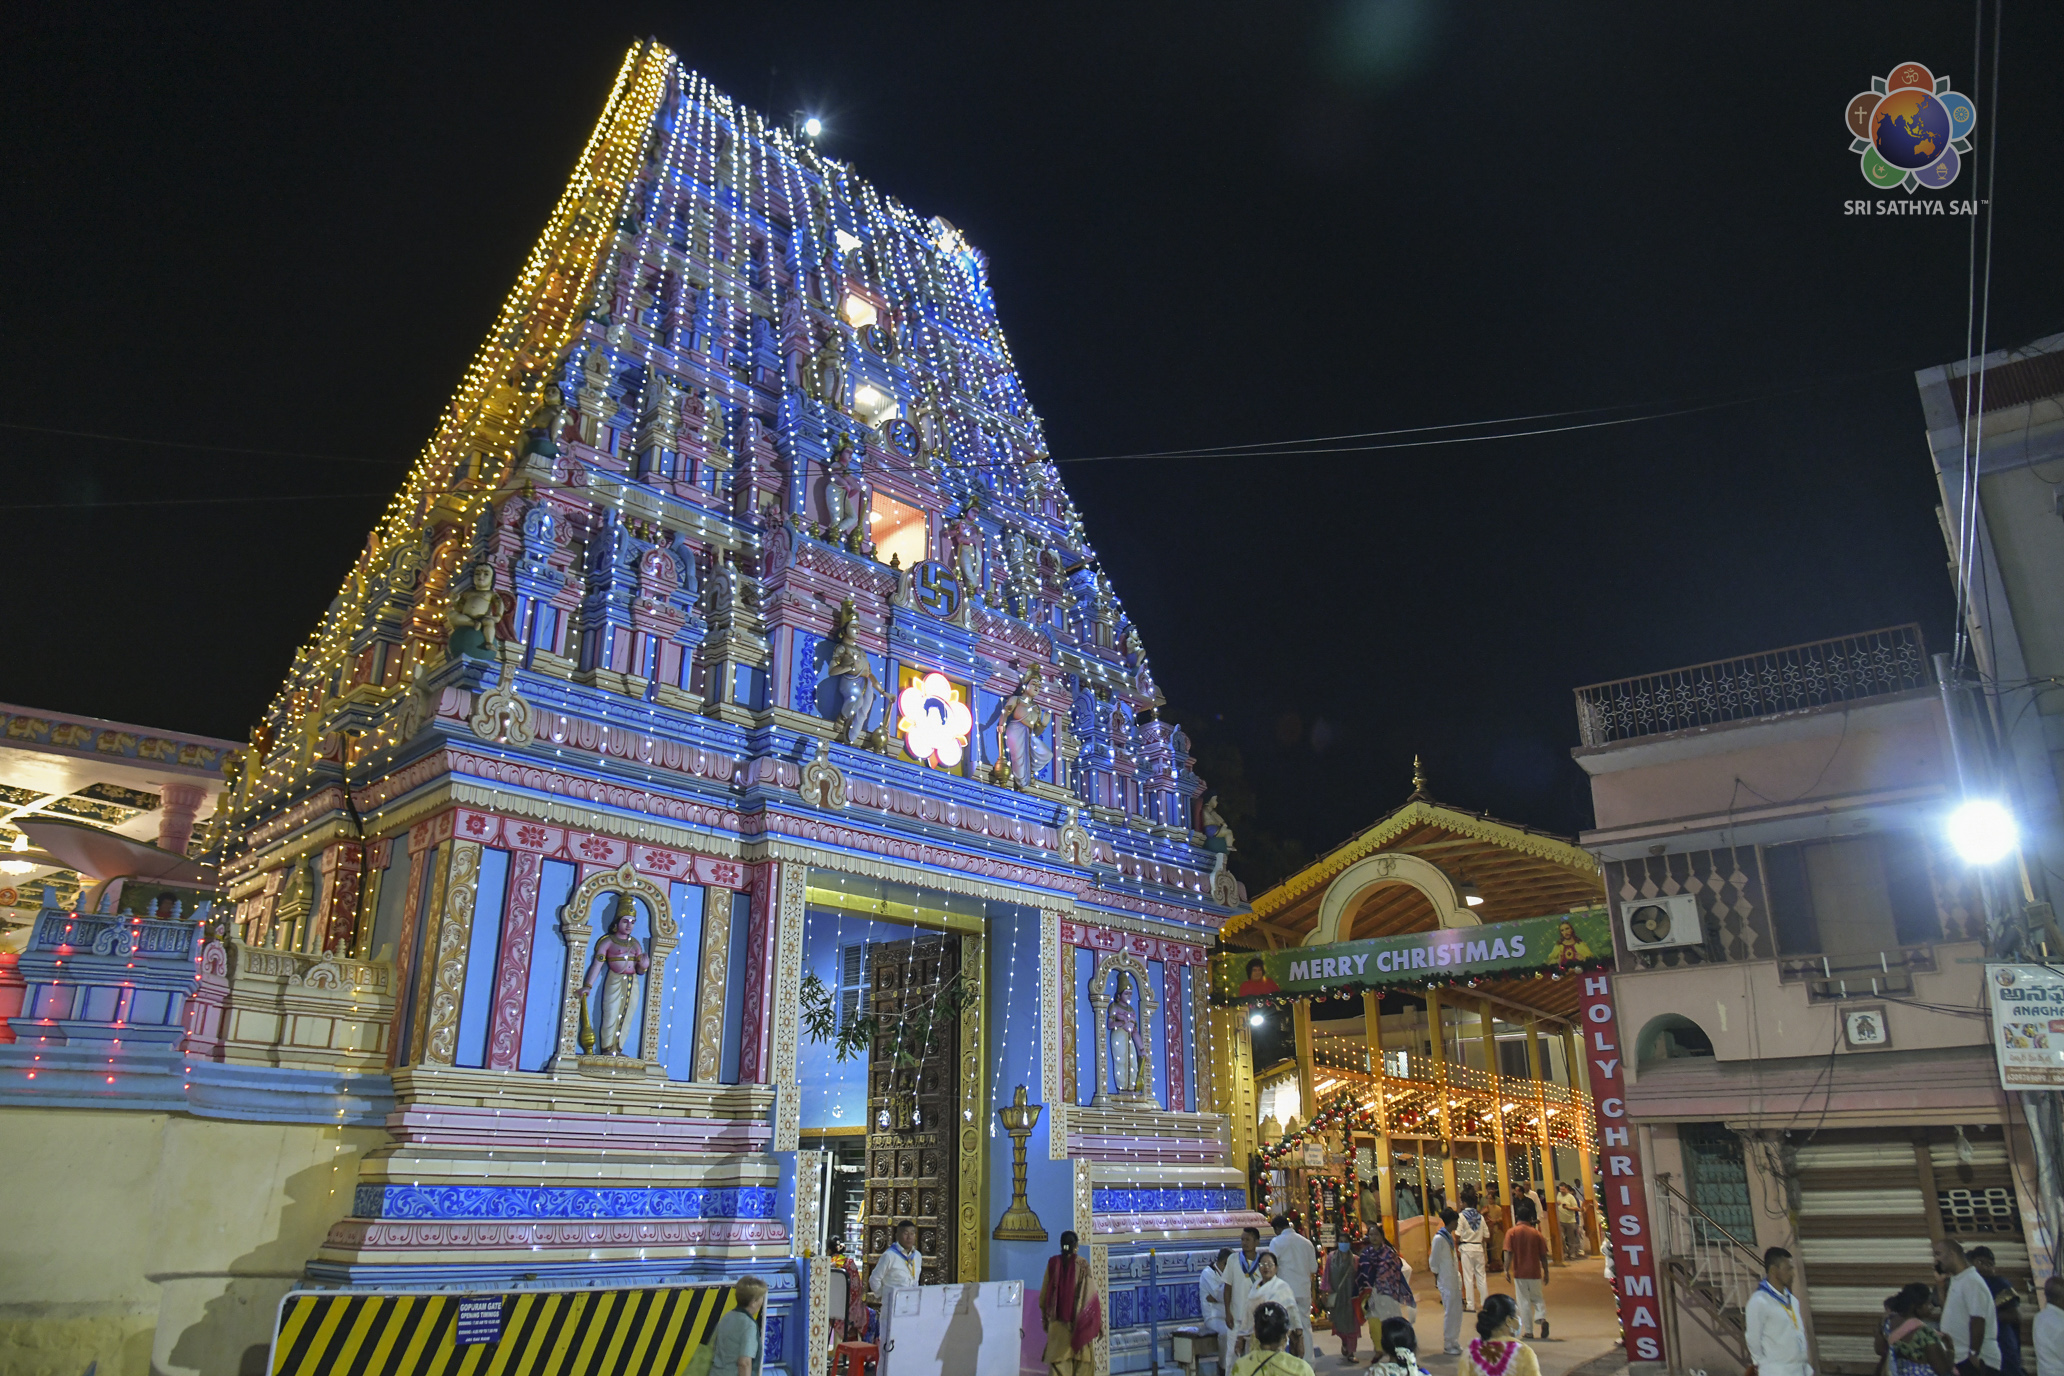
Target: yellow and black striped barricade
[643, 1332]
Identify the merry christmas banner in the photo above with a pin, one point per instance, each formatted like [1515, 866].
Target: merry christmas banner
[1533, 945]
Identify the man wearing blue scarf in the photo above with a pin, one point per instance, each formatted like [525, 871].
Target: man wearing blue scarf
[1472, 1233]
[1776, 1333]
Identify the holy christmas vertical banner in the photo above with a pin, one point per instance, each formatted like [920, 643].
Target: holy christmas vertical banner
[1625, 1197]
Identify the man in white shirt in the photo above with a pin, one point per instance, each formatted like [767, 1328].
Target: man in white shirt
[1472, 1234]
[1240, 1281]
[2049, 1329]
[901, 1265]
[1297, 1261]
[1776, 1333]
[1969, 1320]
[1447, 1278]
[1569, 1211]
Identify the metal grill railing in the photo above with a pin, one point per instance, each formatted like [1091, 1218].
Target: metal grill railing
[1797, 678]
[1710, 1266]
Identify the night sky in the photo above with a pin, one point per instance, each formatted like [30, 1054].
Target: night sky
[1206, 225]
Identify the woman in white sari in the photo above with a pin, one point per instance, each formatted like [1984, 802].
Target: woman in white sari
[1270, 1288]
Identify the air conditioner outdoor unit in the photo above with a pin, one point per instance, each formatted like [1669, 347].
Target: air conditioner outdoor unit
[1653, 924]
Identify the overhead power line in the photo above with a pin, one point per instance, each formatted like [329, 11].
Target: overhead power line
[1314, 446]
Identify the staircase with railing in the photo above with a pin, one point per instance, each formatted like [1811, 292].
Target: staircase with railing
[1711, 1273]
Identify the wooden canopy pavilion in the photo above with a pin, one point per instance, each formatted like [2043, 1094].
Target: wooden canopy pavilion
[1422, 1109]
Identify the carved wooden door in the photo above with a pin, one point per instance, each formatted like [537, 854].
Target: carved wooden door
[913, 1100]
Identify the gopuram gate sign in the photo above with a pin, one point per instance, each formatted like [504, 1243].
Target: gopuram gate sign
[1575, 945]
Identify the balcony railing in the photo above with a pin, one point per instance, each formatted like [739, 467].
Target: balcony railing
[1797, 678]
[1868, 975]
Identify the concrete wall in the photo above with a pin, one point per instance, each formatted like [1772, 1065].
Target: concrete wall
[157, 1243]
[1888, 746]
[1751, 1014]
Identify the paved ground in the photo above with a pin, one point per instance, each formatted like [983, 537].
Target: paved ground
[1582, 1320]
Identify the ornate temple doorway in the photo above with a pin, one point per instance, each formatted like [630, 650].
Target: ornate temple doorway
[913, 1098]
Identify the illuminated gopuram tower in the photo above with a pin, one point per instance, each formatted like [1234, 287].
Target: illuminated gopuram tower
[733, 685]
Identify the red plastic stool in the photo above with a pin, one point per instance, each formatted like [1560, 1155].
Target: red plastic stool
[853, 1359]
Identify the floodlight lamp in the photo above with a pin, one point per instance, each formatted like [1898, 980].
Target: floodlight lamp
[1256, 1019]
[813, 126]
[1982, 831]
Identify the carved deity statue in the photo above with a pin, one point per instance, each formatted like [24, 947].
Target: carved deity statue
[714, 433]
[847, 499]
[619, 960]
[962, 545]
[1021, 724]
[831, 372]
[858, 688]
[475, 609]
[1128, 1046]
[1218, 837]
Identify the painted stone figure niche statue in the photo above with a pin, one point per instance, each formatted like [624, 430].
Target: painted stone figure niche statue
[1218, 837]
[858, 688]
[848, 497]
[619, 961]
[475, 609]
[1021, 723]
[1128, 1047]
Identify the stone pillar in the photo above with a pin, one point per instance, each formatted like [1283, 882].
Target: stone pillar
[1574, 1047]
[1435, 1023]
[1386, 1194]
[787, 895]
[447, 937]
[1307, 1095]
[1538, 1069]
[1490, 1043]
[1237, 1076]
[711, 977]
[422, 858]
[512, 964]
[179, 805]
[335, 923]
[1172, 1035]
[755, 1045]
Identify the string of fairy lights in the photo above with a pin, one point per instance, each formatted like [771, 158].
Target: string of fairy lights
[531, 314]
[704, 169]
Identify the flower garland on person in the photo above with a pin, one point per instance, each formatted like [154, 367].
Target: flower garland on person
[1481, 1349]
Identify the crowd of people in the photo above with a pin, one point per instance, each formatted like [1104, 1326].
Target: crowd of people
[1370, 1284]
[1966, 1323]
[1259, 1299]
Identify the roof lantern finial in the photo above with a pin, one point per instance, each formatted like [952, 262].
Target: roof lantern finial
[1418, 782]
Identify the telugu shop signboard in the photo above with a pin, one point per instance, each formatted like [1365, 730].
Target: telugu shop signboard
[1569, 941]
[2027, 1025]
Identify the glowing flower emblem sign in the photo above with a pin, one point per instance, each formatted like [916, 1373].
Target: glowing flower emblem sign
[935, 723]
[1911, 129]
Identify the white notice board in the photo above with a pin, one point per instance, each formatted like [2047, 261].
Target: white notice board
[2027, 1024]
[953, 1330]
